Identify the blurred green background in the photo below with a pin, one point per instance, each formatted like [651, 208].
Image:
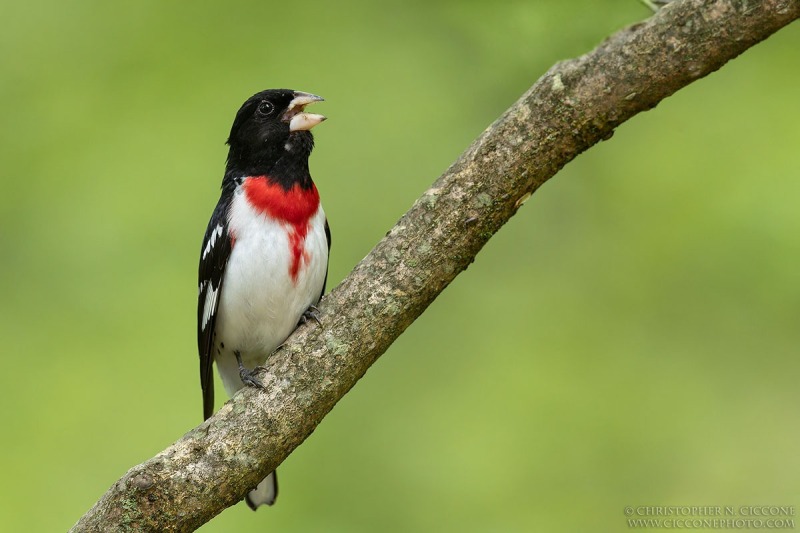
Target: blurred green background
[629, 338]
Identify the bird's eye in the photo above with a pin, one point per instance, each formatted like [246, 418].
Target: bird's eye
[265, 108]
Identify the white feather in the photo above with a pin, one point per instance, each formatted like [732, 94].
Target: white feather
[209, 305]
[261, 303]
[212, 239]
[265, 493]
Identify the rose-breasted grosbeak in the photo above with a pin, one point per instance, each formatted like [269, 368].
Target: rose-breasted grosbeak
[264, 259]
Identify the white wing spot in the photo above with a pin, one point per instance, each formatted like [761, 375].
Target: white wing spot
[210, 305]
[212, 239]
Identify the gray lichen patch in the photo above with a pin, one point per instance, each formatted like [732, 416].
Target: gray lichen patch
[483, 200]
[336, 346]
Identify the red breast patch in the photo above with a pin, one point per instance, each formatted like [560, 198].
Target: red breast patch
[294, 207]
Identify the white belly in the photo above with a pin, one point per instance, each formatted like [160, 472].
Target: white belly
[261, 302]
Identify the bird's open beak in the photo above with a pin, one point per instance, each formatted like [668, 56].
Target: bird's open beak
[295, 115]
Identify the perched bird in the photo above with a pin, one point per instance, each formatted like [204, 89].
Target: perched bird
[264, 258]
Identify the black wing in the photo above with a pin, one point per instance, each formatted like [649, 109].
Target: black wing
[214, 256]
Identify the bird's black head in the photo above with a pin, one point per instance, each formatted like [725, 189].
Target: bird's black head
[272, 129]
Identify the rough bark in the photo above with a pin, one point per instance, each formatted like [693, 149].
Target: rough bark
[576, 104]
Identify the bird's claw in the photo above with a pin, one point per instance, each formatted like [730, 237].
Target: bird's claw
[249, 378]
[312, 313]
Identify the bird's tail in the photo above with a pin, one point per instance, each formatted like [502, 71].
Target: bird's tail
[265, 493]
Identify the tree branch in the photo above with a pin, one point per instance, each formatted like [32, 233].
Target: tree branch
[576, 104]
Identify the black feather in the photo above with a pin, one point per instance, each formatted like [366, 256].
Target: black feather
[325, 281]
[212, 272]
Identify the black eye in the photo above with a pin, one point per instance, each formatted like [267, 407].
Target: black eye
[265, 108]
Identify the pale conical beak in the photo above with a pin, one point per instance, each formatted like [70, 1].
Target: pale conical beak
[298, 119]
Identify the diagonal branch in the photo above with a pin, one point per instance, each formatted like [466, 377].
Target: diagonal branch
[576, 104]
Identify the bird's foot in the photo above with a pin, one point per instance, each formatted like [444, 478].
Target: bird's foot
[312, 313]
[248, 376]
